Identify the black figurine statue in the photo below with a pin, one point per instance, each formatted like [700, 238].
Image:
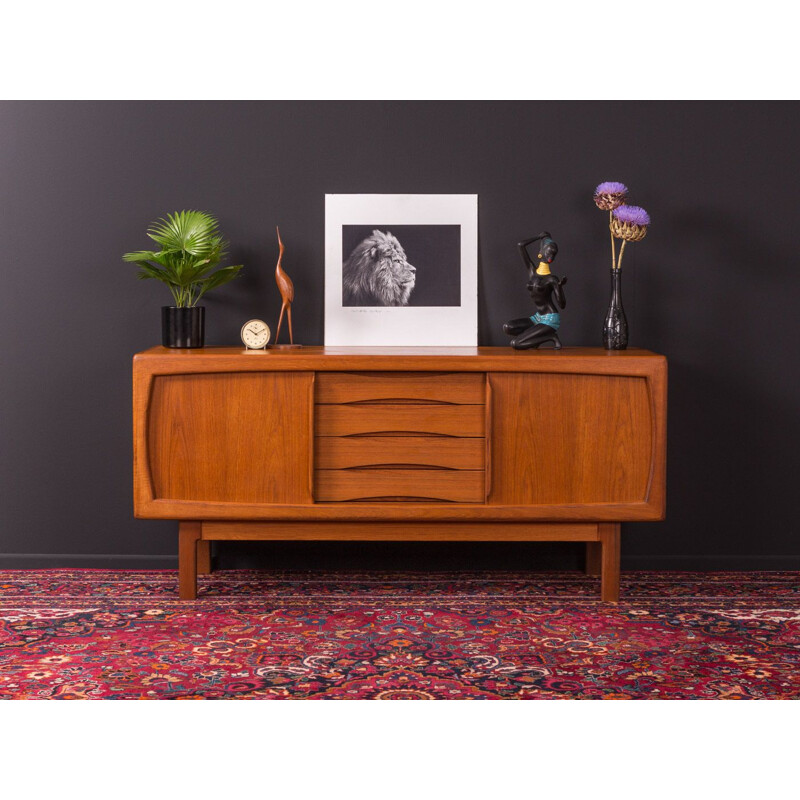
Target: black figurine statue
[548, 296]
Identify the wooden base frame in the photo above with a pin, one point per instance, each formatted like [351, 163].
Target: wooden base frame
[602, 541]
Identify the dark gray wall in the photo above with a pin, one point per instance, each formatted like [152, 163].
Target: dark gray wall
[714, 286]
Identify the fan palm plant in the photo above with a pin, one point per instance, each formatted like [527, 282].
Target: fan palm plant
[191, 249]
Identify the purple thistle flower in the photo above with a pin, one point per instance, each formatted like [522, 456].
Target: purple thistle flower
[611, 187]
[609, 195]
[632, 214]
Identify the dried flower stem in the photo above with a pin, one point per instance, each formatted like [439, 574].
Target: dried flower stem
[613, 248]
[621, 251]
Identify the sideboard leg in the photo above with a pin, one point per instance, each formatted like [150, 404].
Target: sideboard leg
[593, 558]
[609, 580]
[188, 537]
[203, 557]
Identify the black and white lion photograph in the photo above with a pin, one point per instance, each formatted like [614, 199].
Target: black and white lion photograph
[401, 265]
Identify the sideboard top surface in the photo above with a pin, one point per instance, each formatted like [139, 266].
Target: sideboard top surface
[468, 359]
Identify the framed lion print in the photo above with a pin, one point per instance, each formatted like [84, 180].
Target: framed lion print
[401, 269]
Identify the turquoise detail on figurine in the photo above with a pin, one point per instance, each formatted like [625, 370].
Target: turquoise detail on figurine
[553, 320]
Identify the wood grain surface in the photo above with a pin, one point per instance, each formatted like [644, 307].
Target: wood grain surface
[399, 511]
[347, 420]
[588, 360]
[395, 531]
[609, 535]
[230, 438]
[515, 479]
[438, 444]
[456, 486]
[343, 452]
[352, 387]
[564, 439]
[188, 540]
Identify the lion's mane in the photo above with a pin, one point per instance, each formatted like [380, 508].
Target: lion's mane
[377, 273]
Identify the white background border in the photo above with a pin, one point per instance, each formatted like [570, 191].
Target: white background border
[434, 326]
[93, 51]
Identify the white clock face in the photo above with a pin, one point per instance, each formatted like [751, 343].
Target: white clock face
[255, 333]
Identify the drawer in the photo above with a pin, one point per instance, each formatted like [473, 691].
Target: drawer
[348, 420]
[456, 486]
[365, 387]
[333, 452]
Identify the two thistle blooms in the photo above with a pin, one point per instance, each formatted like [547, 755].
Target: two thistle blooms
[625, 222]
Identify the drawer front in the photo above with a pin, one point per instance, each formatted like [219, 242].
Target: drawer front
[366, 387]
[400, 437]
[443, 485]
[343, 420]
[334, 452]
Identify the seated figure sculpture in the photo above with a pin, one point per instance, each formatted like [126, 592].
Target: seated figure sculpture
[547, 292]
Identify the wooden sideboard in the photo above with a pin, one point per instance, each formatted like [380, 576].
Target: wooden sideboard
[425, 444]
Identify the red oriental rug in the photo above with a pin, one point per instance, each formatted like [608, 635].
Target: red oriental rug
[94, 634]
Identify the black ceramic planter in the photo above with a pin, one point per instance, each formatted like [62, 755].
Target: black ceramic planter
[615, 328]
[183, 327]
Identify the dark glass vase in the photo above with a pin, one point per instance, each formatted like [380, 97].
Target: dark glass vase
[183, 327]
[615, 329]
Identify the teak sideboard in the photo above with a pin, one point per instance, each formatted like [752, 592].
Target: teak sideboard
[424, 444]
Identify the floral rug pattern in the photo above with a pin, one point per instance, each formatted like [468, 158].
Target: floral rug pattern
[97, 634]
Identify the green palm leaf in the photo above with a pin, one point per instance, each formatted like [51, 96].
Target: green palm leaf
[190, 232]
[191, 249]
[140, 255]
[219, 278]
[149, 271]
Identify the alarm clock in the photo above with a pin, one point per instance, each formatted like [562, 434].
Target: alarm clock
[255, 334]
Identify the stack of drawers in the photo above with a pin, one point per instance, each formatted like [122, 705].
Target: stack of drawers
[400, 437]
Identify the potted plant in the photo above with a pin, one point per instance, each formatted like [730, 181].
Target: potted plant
[191, 249]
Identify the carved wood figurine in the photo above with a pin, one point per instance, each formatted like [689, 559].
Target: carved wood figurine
[286, 288]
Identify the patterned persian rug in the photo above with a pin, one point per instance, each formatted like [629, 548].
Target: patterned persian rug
[93, 634]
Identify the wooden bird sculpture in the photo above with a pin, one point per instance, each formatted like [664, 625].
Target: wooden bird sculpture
[286, 288]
